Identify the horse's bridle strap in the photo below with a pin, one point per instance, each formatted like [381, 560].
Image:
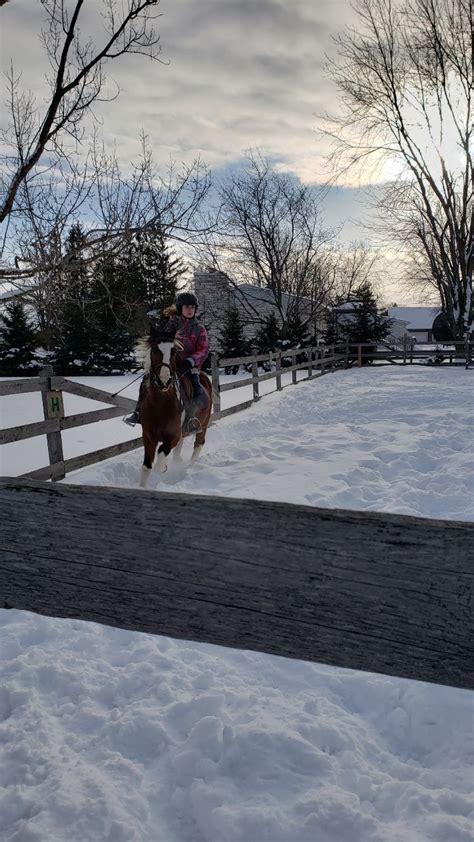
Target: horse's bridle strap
[158, 382]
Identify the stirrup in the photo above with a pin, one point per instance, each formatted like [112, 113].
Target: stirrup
[131, 419]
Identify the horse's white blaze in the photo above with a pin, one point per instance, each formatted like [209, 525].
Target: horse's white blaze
[165, 348]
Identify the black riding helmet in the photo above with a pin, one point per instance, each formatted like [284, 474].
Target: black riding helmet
[185, 298]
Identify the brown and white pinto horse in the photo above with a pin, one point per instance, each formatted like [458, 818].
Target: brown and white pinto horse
[162, 411]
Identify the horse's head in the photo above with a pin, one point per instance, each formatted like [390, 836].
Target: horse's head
[157, 352]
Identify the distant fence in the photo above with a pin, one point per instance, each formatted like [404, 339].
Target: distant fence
[370, 591]
[52, 387]
[316, 361]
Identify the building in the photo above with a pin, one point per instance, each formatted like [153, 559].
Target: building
[217, 295]
[418, 321]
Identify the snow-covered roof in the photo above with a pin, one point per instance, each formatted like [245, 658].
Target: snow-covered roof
[417, 318]
[7, 294]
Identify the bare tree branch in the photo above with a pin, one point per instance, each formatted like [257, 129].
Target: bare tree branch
[78, 81]
[405, 76]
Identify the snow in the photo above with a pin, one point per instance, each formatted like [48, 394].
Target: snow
[124, 737]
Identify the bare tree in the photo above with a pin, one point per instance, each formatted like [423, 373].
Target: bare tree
[47, 180]
[270, 236]
[77, 82]
[405, 75]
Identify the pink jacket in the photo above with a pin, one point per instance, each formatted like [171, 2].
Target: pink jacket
[194, 337]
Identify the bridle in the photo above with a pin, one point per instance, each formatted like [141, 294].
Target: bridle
[155, 379]
[174, 377]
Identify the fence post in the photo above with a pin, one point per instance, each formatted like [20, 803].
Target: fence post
[323, 359]
[310, 363]
[467, 351]
[216, 395]
[256, 396]
[293, 363]
[359, 356]
[346, 358]
[278, 370]
[53, 407]
[405, 339]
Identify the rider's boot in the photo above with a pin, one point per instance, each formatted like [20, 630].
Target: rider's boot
[200, 399]
[134, 416]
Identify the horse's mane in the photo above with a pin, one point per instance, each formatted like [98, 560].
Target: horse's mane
[142, 352]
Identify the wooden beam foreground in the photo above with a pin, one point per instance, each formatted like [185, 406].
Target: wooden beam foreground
[378, 592]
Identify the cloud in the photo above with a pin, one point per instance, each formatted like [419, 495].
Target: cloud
[236, 74]
[239, 74]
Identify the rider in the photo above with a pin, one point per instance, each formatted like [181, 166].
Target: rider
[193, 336]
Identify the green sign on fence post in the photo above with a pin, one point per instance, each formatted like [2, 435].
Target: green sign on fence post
[55, 405]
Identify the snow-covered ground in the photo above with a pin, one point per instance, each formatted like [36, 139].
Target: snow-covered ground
[125, 737]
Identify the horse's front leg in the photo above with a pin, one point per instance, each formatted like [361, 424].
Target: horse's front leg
[177, 451]
[163, 451]
[148, 459]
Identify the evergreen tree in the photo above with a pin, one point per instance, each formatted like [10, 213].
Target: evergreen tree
[296, 333]
[232, 339]
[367, 322]
[363, 322]
[73, 344]
[17, 342]
[150, 273]
[111, 340]
[268, 336]
[73, 350]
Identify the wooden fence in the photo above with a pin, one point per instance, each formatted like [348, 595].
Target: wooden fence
[316, 361]
[384, 593]
[55, 421]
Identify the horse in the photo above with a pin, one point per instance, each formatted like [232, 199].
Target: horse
[162, 407]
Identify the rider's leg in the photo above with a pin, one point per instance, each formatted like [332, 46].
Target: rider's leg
[134, 416]
[200, 399]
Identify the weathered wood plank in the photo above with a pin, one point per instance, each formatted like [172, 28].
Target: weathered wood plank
[91, 392]
[28, 431]
[100, 455]
[20, 387]
[385, 593]
[60, 469]
[53, 472]
[90, 417]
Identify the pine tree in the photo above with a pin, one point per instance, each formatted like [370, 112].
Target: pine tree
[367, 322]
[232, 338]
[268, 336]
[150, 273]
[17, 342]
[73, 345]
[296, 333]
[73, 349]
[111, 340]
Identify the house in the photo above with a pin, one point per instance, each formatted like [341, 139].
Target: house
[418, 321]
[217, 295]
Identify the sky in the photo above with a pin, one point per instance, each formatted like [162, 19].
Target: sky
[234, 75]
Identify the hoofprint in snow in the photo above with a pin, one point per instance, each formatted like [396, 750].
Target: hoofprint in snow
[126, 737]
